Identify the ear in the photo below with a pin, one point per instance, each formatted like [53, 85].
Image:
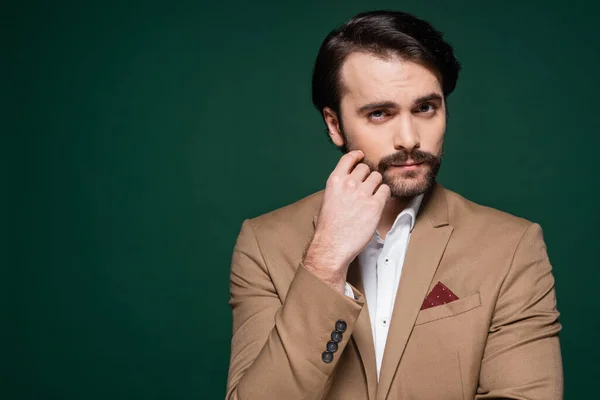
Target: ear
[333, 126]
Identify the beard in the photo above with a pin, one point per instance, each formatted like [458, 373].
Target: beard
[404, 184]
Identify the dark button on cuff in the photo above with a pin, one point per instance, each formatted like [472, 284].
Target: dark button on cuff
[340, 326]
[336, 336]
[327, 357]
[332, 347]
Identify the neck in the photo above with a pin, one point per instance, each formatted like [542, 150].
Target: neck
[392, 208]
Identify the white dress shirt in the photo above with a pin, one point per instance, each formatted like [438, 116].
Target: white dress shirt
[381, 266]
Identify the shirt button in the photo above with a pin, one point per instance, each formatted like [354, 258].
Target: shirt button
[387, 260]
[384, 322]
[327, 357]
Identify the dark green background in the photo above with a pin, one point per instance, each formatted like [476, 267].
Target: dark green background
[141, 135]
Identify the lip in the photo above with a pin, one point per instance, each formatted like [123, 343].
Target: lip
[408, 166]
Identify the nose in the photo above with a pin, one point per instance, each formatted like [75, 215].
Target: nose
[406, 136]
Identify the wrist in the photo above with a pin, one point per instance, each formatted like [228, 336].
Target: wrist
[326, 254]
[325, 261]
[326, 266]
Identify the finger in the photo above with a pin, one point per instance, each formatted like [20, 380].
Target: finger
[347, 162]
[383, 193]
[372, 182]
[360, 172]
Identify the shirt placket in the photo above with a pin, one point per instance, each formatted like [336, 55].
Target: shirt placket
[385, 286]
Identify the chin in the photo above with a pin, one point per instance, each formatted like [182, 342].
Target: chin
[409, 191]
[410, 183]
[409, 187]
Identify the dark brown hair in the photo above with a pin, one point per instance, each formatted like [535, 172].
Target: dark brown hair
[384, 33]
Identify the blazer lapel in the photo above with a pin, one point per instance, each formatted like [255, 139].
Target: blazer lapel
[427, 244]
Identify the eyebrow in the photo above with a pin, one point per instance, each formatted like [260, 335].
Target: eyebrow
[390, 104]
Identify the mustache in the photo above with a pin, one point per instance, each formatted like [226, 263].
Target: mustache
[401, 156]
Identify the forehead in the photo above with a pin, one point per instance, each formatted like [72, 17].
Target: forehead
[366, 77]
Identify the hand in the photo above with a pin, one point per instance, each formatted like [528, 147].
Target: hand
[352, 206]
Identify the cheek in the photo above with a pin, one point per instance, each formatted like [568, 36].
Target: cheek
[432, 137]
[375, 146]
[363, 135]
[373, 150]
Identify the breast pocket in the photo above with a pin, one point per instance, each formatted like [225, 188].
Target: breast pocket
[449, 310]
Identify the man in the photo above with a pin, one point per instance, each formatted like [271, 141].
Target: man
[386, 285]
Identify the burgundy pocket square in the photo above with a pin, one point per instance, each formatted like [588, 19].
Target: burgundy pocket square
[439, 295]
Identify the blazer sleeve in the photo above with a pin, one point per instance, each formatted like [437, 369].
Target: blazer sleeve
[522, 358]
[277, 346]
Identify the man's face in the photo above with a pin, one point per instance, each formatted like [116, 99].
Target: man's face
[394, 111]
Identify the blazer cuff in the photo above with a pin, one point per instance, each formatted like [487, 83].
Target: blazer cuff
[311, 314]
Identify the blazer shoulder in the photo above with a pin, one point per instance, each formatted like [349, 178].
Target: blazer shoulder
[296, 216]
[463, 211]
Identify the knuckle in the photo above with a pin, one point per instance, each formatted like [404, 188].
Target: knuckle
[351, 183]
[333, 180]
[373, 202]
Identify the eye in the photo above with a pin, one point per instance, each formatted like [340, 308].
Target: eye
[377, 115]
[426, 108]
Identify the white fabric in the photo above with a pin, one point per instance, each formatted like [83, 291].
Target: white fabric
[381, 266]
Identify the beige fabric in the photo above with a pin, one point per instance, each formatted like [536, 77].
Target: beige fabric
[499, 340]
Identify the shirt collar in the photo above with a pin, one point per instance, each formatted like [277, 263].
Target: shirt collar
[411, 211]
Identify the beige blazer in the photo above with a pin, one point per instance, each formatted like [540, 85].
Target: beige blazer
[499, 340]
